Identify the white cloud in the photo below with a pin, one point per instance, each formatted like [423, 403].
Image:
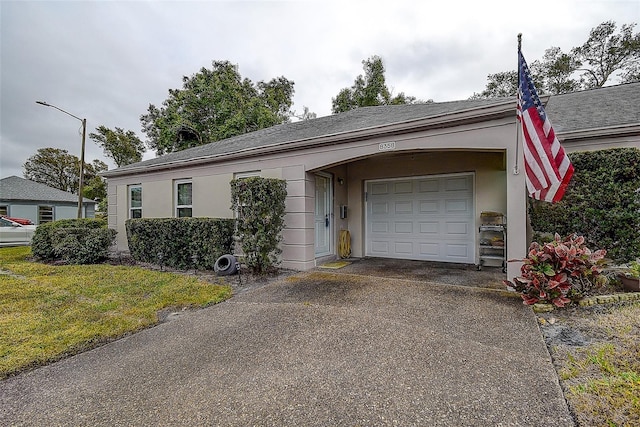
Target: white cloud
[107, 61]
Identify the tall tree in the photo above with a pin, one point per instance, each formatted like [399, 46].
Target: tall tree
[54, 167]
[549, 76]
[369, 90]
[504, 83]
[95, 186]
[215, 104]
[606, 52]
[123, 147]
[554, 73]
[590, 65]
[631, 74]
[57, 168]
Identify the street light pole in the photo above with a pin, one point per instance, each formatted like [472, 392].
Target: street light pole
[84, 136]
[81, 183]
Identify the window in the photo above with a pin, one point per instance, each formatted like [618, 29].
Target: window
[184, 198]
[135, 201]
[4, 211]
[243, 175]
[45, 214]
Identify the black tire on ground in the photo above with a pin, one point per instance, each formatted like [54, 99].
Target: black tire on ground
[226, 265]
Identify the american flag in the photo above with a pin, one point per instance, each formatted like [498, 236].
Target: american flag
[548, 169]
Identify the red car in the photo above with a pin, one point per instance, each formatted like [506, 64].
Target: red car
[21, 221]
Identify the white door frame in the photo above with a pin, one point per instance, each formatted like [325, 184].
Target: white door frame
[328, 212]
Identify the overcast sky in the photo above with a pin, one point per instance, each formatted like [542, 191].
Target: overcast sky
[106, 61]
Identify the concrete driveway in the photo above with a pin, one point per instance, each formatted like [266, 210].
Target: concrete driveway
[426, 271]
[315, 349]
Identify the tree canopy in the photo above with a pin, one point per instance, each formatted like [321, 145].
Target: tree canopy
[605, 55]
[215, 104]
[54, 167]
[57, 168]
[95, 186]
[123, 147]
[369, 90]
[605, 52]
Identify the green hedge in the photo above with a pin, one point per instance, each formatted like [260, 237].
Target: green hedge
[602, 203]
[260, 203]
[173, 242]
[75, 241]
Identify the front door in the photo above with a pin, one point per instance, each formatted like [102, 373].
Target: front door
[323, 220]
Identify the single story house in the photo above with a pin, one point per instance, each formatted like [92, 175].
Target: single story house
[22, 198]
[406, 181]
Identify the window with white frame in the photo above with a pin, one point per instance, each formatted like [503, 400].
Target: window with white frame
[4, 210]
[183, 190]
[135, 201]
[242, 175]
[45, 214]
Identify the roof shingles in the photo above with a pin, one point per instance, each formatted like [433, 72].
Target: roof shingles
[590, 109]
[16, 188]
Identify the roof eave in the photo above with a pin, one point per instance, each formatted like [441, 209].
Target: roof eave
[609, 131]
[473, 115]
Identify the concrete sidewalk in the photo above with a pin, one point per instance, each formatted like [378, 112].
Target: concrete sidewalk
[316, 349]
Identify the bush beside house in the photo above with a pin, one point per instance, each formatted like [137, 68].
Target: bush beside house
[74, 241]
[260, 206]
[180, 243]
[183, 243]
[602, 203]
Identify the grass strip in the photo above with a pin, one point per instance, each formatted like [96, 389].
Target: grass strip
[48, 312]
[602, 380]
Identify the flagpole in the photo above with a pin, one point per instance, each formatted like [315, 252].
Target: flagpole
[516, 169]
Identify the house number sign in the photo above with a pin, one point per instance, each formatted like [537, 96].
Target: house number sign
[384, 146]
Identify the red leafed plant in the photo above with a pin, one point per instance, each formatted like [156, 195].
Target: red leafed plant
[559, 271]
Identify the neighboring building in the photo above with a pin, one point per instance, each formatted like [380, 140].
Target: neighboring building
[412, 179]
[40, 203]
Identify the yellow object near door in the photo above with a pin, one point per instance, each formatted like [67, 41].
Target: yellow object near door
[344, 247]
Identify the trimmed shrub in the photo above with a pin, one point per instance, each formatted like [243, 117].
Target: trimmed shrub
[602, 202]
[180, 243]
[260, 204]
[74, 241]
[559, 272]
[82, 245]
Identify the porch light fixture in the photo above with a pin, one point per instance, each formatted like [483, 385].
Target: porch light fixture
[84, 136]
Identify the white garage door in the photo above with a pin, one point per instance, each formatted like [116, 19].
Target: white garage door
[429, 218]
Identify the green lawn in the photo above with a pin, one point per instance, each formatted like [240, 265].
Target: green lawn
[602, 379]
[48, 312]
